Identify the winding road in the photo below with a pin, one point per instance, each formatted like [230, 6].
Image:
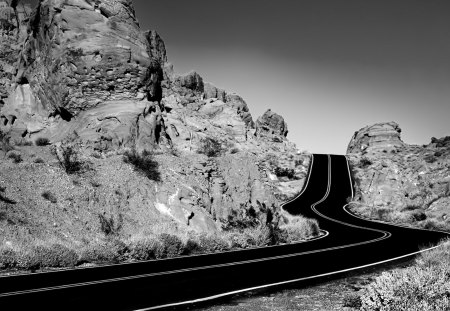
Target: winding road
[348, 243]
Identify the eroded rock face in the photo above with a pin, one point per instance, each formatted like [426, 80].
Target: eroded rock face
[80, 53]
[271, 125]
[13, 26]
[406, 184]
[377, 137]
[87, 77]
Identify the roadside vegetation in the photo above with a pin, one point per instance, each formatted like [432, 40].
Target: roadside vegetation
[162, 242]
[424, 286]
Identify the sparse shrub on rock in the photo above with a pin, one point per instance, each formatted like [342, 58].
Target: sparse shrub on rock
[49, 196]
[143, 163]
[42, 141]
[70, 160]
[210, 147]
[16, 157]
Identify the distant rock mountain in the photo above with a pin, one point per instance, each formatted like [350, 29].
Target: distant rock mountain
[399, 182]
[83, 75]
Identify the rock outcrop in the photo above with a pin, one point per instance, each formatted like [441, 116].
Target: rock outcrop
[88, 79]
[272, 126]
[406, 183]
[13, 31]
[378, 137]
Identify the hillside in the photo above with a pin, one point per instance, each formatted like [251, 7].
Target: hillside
[109, 155]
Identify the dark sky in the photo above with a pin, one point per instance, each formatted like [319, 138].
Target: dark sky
[329, 67]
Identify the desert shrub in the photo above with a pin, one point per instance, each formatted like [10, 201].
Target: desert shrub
[285, 172]
[211, 243]
[56, 255]
[110, 226]
[352, 301]
[365, 162]
[419, 216]
[424, 286]
[411, 207]
[192, 247]
[145, 249]
[5, 199]
[23, 142]
[42, 141]
[234, 150]
[430, 158]
[413, 288]
[143, 163]
[172, 246]
[240, 240]
[210, 147]
[260, 235]
[38, 160]
[8, 258]
[5, 143]
[383, 213]
[16, 157]
[240, 219]
[300, 228]
[49, 196]
[70, 160]
[99, 253]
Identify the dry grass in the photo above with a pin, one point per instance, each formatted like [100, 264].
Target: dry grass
[424, 286]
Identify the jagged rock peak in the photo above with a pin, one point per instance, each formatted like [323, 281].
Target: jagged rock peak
[271, 125]
[381, 137]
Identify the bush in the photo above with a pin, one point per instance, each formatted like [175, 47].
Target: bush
[42, 141]
[56, 255]
[211, 243]
[210, 147]
[143, 163]
[172, 246]
[97, 253]
[109, 226]
[365, 162]
[285, 172]
[145, 249]
[16, 157]
[352, 301]
[300, 228]
[424, 286]
[70, 160]
[49, 196]
[234, 150]
[38, 160]
[8, 258]
[5, 143]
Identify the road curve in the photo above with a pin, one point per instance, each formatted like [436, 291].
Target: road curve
[349, 243]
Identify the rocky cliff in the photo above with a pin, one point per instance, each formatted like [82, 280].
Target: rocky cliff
[123, 144]
[399, 182]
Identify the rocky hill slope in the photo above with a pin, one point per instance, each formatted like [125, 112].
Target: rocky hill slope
[398, 182]
[105, 147]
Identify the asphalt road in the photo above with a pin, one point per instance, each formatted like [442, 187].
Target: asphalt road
[348, 243]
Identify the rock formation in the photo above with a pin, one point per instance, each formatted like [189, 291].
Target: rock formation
[13, 26]
[271, 125]
[380, 136]
[399, 182]
[87, 78]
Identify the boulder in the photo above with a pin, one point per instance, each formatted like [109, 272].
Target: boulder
[271, 125]
[376, 138]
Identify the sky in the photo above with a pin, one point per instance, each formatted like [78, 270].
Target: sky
[328, 67]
